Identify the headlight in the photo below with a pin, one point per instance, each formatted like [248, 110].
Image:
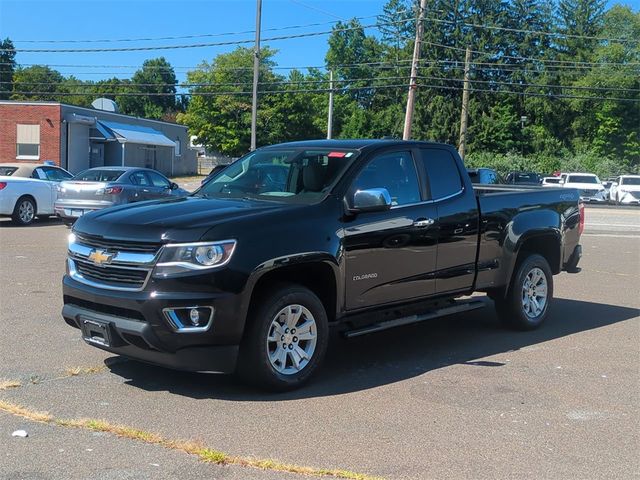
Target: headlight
[60, 189]
[181, 258]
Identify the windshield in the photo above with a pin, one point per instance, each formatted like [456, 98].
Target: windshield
[532, 178]
[582, 179]
[8, 171]
[630, 181]
[283, 175]
[98, 175]
[551, 180]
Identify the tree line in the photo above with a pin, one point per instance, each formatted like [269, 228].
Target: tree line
[554, 85]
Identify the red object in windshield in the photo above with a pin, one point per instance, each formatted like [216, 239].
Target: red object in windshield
[336, 154]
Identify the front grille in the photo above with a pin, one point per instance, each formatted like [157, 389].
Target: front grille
[117, 245]
[112, 276]
[635, 194]
[588, 192]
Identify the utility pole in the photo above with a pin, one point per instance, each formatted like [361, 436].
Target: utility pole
[413, 81]
[465, 104]
[256, 75]
[330, 118]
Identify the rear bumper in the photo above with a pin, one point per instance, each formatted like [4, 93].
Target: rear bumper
[571, 266]
[73, 209]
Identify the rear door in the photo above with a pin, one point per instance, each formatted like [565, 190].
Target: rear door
[458, 220]
[390, 256]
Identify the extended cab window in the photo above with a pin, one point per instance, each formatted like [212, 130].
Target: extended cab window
[394, 171]
[441, 168]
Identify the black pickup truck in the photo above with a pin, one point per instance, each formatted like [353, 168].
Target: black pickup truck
[249, 273]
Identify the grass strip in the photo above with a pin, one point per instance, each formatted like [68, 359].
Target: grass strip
[202, 452]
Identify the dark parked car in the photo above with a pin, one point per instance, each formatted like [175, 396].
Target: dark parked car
[523, 178]
[363, 235]
[102, 187]
[484, 176]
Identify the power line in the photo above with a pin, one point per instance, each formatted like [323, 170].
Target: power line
[536, 32]
[195, 45]
[541, 60]
[200, 35]
[371, 87]
[318, 81]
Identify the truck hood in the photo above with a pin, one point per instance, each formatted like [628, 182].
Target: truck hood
[174, 220]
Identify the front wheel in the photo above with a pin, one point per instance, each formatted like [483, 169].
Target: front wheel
[526, 304]
[286, 338]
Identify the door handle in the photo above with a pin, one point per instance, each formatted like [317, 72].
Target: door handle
[423, 222]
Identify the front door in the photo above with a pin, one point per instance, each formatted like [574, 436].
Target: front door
[390, 256]
[96, 159]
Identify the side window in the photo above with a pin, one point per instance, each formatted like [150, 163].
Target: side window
[394, 171]
[139, 178]
[56, 174]
[444, 177]
[158, 180]
[39, 174]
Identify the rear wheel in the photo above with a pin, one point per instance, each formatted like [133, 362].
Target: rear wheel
[526, 304]
[286, 339]
[24, 213]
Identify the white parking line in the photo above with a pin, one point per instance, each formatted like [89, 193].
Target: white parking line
[610, 235]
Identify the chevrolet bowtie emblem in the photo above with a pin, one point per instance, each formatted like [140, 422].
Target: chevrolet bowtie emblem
[100, 257]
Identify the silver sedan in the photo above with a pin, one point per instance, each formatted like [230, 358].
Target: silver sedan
[102, 187]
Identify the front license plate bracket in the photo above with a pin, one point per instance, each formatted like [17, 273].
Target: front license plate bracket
[96, 332]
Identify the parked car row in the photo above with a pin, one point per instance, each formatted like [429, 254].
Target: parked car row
[622, 190]
[28, 191]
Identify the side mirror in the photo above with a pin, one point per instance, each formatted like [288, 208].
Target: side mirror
[174, 186]
[371, 200]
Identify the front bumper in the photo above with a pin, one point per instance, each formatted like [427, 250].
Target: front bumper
[629, 199]
[137, 328]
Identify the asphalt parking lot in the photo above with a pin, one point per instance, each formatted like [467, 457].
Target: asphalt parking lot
[455, 398]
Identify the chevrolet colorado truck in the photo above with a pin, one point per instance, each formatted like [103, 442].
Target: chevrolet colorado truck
[250, 272]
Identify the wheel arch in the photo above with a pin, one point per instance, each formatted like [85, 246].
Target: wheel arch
[318, 273]
[29, 196]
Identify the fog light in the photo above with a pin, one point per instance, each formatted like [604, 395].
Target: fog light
[194, 316]
[189, 319]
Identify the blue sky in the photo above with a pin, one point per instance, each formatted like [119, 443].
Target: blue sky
[117, 19]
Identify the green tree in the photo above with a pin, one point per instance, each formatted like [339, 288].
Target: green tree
[44, 81]
[157, 80]
[7, 67]
[219, 112]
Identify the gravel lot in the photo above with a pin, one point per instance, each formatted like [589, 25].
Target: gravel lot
[452, 398]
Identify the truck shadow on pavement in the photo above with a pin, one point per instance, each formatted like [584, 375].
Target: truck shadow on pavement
[391, 356]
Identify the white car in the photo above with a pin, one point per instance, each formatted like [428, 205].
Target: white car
[625, 190]
[551, 182]
[589, 186]
[29, 190]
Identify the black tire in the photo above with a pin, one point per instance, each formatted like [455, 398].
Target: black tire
[254, 364]
[511, 308]
[24, 213]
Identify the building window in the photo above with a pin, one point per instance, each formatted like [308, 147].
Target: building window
[28, 142]
[178, 148]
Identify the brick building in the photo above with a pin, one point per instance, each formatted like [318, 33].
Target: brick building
[77, 138]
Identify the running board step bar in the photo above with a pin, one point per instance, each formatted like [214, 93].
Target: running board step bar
[458, 307]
